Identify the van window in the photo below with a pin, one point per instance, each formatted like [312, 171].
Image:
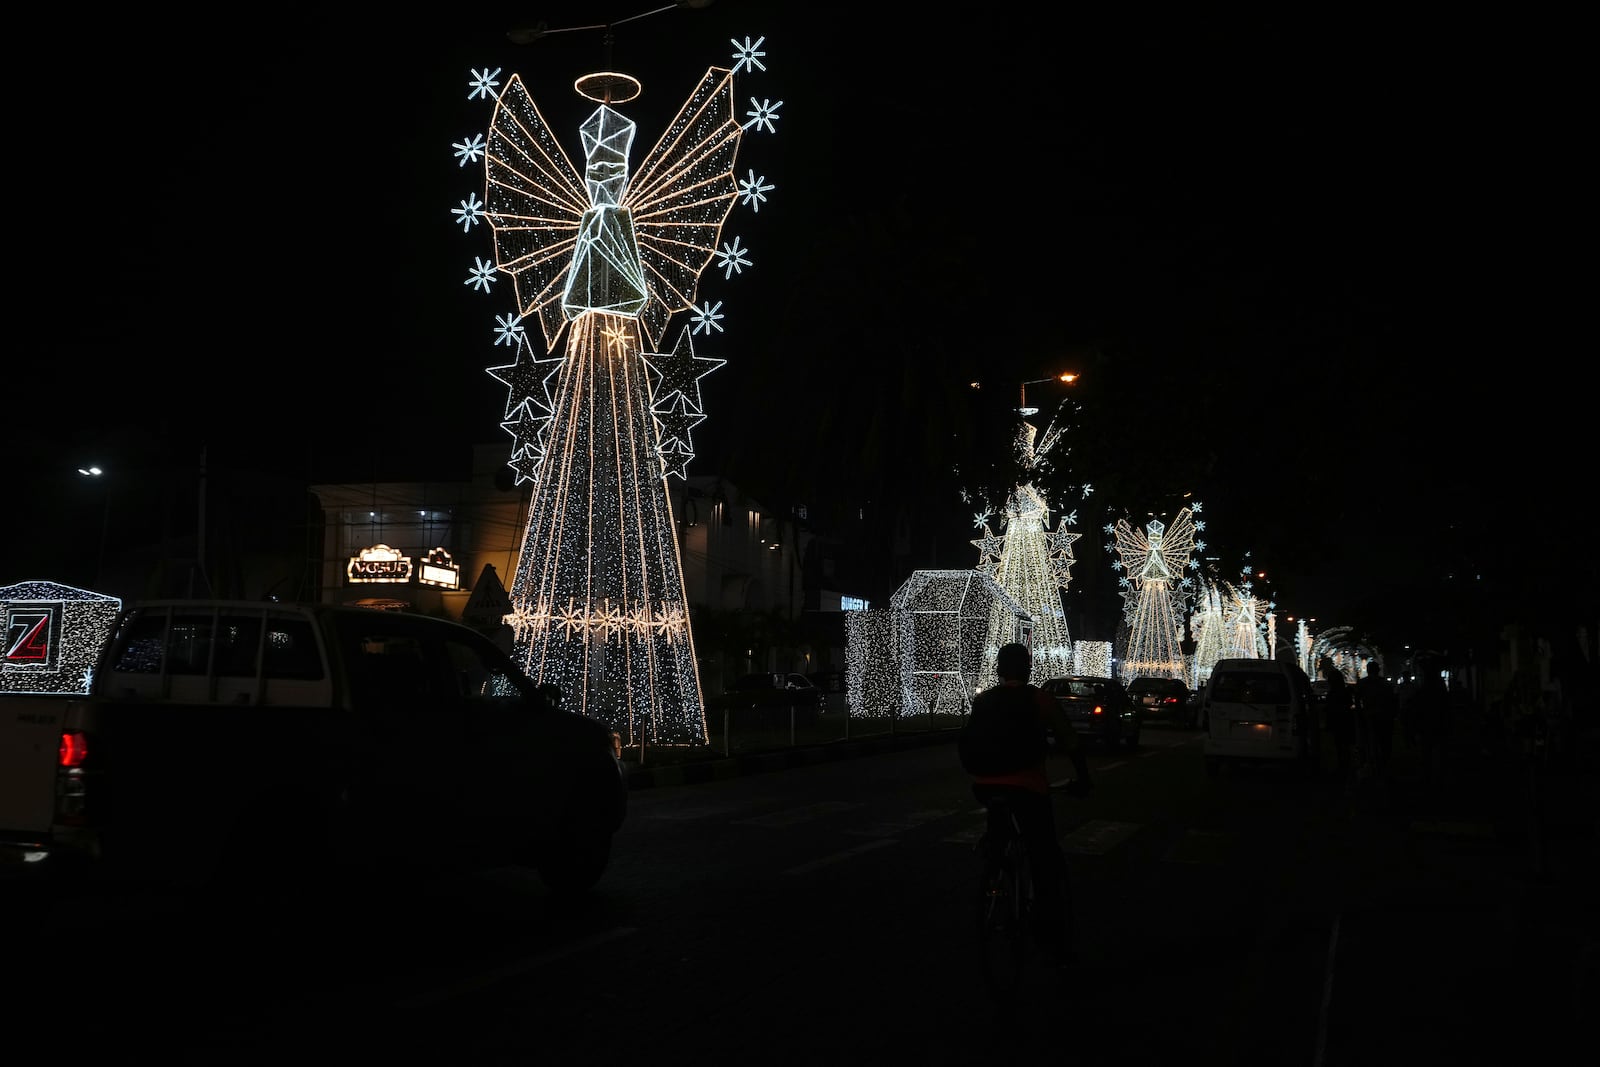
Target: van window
[141, 650]
[187, 649]
[478, 677]
[291, 651]
[237, 642]
[1250, 687]
[392, 671]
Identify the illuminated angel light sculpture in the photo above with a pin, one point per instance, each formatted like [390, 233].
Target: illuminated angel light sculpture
[1033, 565]
[1206, 627]
[1245, 637]
[1155, 590]
[1249, 620]
[598, 601]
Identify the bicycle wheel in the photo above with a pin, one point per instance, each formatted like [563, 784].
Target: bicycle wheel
[1003, 923]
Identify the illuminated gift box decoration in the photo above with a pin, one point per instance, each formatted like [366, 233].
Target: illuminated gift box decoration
[927, 651]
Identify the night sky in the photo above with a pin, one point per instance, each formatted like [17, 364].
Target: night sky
[1276, 252]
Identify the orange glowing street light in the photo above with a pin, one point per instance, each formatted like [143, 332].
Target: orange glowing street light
[1065, 377]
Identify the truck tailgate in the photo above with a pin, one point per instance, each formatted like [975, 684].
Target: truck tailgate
[30, 741]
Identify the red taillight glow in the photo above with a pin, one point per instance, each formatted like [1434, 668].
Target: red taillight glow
[1098, 709]
[74, 749]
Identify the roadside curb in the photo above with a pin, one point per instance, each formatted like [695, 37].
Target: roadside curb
[710, 769]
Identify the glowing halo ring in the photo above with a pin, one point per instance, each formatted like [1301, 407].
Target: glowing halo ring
[608, 87]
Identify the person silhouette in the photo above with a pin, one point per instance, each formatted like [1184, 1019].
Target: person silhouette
[1027, 785]
[1339, 715]
[1378, 706]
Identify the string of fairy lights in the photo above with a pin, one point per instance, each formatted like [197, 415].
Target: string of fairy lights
[608, 259]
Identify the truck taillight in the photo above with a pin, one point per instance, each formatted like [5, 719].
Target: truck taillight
[74, 749]
[72, 787]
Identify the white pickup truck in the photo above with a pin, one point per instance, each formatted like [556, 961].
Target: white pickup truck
[266, 742]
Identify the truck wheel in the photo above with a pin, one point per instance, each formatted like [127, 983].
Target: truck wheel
[269, 847]
[573, 865]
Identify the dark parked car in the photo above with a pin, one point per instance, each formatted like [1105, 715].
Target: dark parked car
[1162, 700]
[1098, 708]
[769, 690]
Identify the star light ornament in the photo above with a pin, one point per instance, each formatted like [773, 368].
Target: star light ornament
[1032, 564]
[601, 395]
[1155, 591]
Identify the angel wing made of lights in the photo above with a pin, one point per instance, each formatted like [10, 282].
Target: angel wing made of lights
[1157, 552]
[679, 197]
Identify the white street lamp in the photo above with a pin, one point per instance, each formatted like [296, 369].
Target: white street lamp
[92, 471]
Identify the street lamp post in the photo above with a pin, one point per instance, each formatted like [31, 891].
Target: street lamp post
[92, 471]
[1066, 377]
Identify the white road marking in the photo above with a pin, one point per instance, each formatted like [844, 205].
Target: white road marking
[792, 816]
[889, 829]
[1098, 836]
[1199, 846]
[1327, 994]
[483, 979]
[838, 857]
[684, 814]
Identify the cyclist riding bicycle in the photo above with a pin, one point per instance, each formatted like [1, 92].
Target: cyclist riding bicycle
[1027, 784]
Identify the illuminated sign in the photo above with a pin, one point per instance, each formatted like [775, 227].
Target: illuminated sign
[30, 633]
[437, 569]
[53, 637]
[852, 603]
[380, 563]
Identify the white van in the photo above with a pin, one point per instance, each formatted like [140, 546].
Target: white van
[1258, 709]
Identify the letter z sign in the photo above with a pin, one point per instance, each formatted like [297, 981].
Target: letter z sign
[30, 637]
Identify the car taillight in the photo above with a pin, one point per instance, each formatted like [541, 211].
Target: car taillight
[72, 802]
[1097, 709]
[74, 749]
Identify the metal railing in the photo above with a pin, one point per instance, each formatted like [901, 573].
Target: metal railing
[750, 729]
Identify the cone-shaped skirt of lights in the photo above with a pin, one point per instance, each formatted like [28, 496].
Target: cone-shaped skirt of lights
[598, 575]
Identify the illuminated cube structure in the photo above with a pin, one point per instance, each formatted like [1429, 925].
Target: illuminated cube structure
[930, 651]
[1090, 657]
